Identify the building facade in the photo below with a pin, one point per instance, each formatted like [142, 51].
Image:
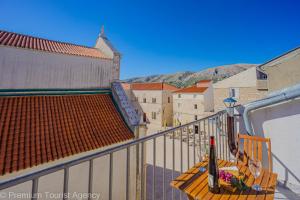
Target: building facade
[282, 71]
[193, 103]
[154, 102]
[58, 105]
[31, 62]
[242, 86]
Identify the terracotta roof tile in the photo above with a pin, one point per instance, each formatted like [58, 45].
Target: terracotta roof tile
[38, 129]
[204, 81]
[153, 86]
[192, 89]
[34, 43]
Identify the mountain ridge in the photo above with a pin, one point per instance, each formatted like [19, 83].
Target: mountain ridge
[188, 78]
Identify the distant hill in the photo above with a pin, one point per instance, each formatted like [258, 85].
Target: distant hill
[184, 79]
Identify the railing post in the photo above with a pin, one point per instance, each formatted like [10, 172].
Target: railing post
[181, 151]
[142, 173]
[181, 155]
[194, 143]
[204, 137]
[154, 166]
[226, 129]
[217, 137]
[66, 183]
[173, 161]
[128, 173]
[164, 173]
[110, 176]
[90, 178]
[188, 147]
[199, 134]
[34, 191]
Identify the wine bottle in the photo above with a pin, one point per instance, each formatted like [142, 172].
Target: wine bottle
[213, 172]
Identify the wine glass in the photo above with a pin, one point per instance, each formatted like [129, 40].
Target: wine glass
[255, 167]
[202, 156]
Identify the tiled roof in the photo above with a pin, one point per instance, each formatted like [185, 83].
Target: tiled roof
[126, 86]
[39, 44]
[153, 86]
[192, 89]
[204, 81]
[40, 129]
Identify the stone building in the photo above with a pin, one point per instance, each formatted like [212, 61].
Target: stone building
[193, 102]
[282, 71]
[153, 101]
[242, 86]
[254, 83]
[32, 62]
[59, 102]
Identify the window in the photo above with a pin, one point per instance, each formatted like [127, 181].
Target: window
[179, 95]
[169, 99]
[144, 117]
[195, 106]
[178, 105]
[144, 100]
[153, 115]
[196, 129]
[153, 100]
[196, 117]
[137, 99]
[195, 96]
[234, 93]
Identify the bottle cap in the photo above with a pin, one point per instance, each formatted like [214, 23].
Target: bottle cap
[212, 140]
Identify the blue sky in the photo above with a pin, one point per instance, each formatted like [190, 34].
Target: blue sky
[157, 37]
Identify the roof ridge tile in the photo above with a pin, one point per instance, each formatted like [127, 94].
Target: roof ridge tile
[41, 44]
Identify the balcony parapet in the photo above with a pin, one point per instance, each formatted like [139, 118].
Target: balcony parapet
[262, 84]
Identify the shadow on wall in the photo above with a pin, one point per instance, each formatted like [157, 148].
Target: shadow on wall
[280, 122]
[287, 171]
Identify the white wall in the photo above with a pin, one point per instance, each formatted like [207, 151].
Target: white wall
[78, 179]
[209, 99]
[281, 123]
[246, 78]
[150, 107]
[23, 68]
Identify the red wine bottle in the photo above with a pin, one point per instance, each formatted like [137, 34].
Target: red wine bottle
[213, 172]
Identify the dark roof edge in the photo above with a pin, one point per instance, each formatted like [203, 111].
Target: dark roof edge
[51, 40]
[54, 91]
[277, 57]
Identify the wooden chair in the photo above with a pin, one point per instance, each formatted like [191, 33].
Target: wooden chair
[253, 149]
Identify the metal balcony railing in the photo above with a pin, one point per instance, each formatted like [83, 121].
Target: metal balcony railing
[188, 144]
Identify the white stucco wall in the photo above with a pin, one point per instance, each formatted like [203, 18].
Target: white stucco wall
[246, 78]
[167, 108]
[209, 99]
[245, 84]
[183, 106]
[52, 184]
[23, 68]
[281, 123]
[283, 72]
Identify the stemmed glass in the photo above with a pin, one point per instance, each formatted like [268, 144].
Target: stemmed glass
[203, 157]
[255, 167]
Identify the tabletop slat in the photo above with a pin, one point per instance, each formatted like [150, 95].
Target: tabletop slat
[243, 194]
[204, 193]
[271, 187]
[194, 184]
